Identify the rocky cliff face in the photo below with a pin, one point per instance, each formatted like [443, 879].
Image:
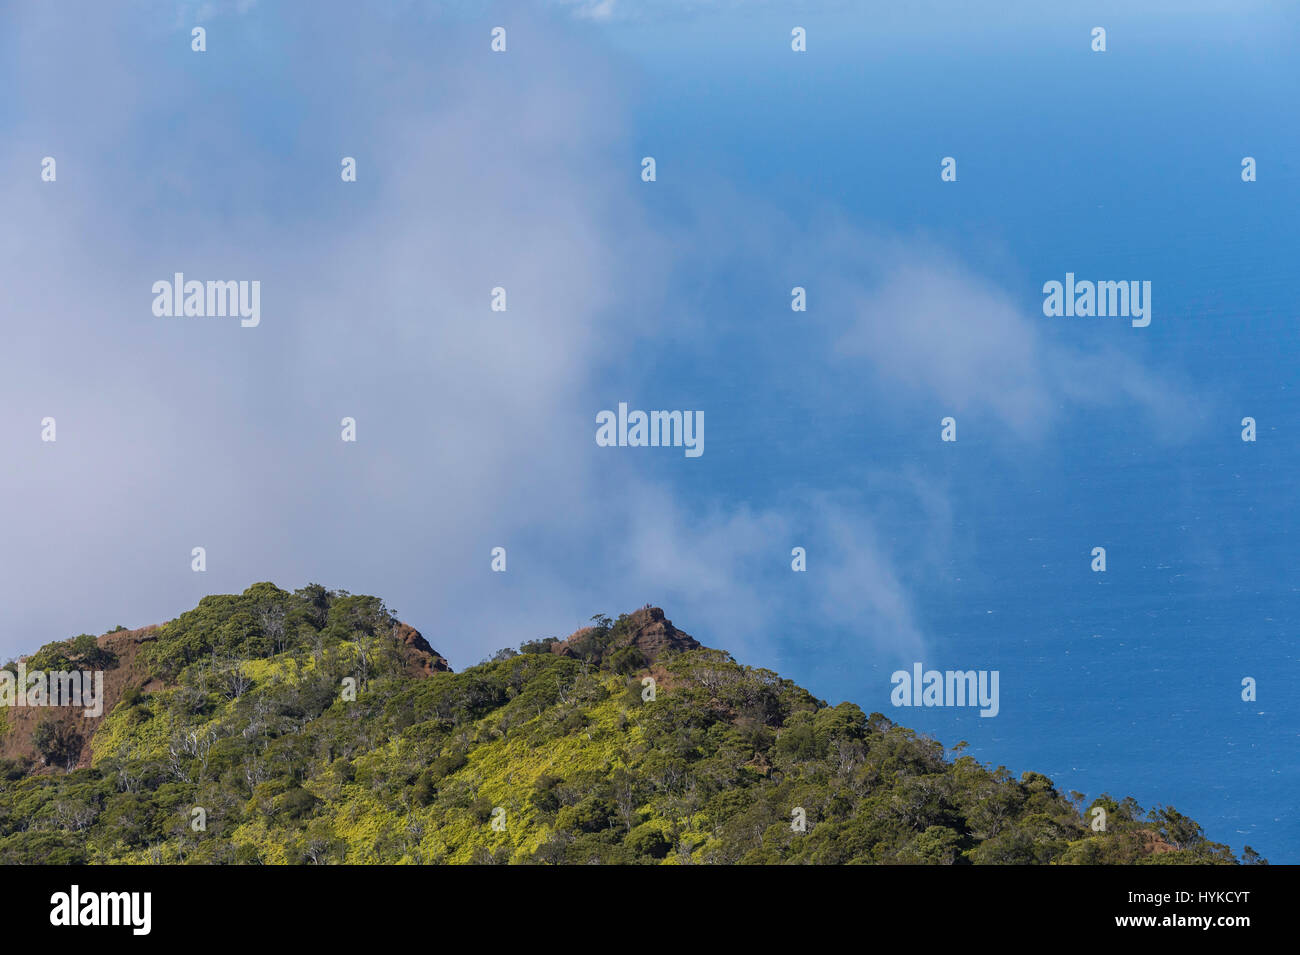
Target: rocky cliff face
[128, 670]
[647, 629]
[421, 659]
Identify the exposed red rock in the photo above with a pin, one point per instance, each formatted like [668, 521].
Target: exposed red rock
[646, 629]
[130, 671]
[421, 659]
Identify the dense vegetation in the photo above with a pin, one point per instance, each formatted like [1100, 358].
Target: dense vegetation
[533, 756]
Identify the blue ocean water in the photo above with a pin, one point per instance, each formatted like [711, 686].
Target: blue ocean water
[1127, 165]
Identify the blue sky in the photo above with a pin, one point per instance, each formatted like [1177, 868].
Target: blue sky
[775, 169]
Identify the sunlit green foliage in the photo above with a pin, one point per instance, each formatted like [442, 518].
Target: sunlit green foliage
[561, 753]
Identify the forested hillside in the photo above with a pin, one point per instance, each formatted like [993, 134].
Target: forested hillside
[313, 727]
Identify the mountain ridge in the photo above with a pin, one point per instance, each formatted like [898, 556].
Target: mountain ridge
[314, 726]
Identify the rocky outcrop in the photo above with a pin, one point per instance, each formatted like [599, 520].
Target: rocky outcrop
[646, 629]
[654, 634]
[421, 659]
